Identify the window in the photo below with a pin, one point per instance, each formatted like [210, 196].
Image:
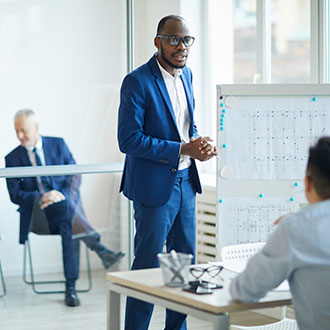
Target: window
[262, 41]
[290, 41]
[245, 41]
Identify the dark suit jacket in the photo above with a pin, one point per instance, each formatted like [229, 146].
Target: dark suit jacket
[24, 191]
[148, 135]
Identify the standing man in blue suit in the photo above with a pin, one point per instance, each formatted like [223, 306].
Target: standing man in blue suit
[156, 131]
[54, 199]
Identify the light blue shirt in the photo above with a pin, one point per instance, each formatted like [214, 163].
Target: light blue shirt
[299, 250]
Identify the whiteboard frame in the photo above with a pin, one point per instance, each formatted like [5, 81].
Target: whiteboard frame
[273, 89]
[228, 188]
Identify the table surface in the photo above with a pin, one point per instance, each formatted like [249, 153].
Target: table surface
[150, 281]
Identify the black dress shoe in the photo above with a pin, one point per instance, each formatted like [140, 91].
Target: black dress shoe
[71, 298]
[109, 258]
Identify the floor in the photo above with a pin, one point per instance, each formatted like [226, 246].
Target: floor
[22, 309]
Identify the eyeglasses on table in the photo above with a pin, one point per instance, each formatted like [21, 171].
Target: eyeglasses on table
[213, 271]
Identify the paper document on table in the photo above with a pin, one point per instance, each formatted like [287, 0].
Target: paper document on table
[238, 266]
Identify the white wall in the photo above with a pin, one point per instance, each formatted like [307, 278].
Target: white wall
[66, 60]
[147, 14]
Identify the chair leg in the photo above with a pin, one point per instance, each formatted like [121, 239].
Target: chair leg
[33, 283]
[284, 312]
[4, 290]
[89, 273]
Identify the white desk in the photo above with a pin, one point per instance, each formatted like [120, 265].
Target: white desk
[147, 285]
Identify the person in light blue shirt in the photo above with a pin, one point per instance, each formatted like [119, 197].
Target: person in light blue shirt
[299, 251]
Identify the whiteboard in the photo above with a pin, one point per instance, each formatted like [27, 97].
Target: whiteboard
[263, 136]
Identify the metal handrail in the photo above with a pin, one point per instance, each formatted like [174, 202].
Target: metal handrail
[30, 171]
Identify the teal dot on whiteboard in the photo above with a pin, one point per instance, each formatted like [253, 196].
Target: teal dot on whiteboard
[221, 120]
[224, 110]
[291, 199]
[224, 145]
[221, 104]
[296, 184]
[220, 200]
[261, 195]
[314, 99]
[222, 128]
[222, 115]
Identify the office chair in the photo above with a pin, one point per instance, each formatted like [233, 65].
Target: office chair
[4, 291]
[240, 251]
[3, 284]
[244, 252]
[39, 226]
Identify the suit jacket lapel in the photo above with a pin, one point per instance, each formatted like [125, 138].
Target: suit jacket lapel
[162, 87]
[47, 150]
[24, 157]
[24, 160]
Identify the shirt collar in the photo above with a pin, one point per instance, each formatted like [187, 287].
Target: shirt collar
[177, 72]
[38, 145]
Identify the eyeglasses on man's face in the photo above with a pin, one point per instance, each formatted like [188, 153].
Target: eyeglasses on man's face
[175, 40]
[198, 272]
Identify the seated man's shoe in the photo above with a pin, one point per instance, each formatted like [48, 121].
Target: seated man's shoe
[109, 258]
[71, 298]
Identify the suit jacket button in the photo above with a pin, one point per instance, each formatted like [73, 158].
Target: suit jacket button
[173, 169]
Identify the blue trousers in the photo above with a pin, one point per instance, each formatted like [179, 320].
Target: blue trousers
[59, 216]
[173, 223]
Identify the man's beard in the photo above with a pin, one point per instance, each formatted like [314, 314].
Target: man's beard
[168, 61]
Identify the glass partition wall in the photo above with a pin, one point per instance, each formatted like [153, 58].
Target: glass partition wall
[65, 60]
[96, 215]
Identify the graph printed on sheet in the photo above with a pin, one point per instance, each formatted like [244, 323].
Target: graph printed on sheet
[263, 141]
[269, 139]
[251, 219]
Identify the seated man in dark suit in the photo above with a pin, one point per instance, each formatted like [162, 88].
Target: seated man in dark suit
[55, 198]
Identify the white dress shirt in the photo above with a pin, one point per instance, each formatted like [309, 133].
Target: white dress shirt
[178, 98]
[299, 250]
[40, 152]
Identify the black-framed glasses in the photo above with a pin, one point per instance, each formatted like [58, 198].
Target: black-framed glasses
[213, 271]
[175, 40]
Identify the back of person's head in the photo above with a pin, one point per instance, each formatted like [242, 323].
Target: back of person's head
[24, 113]
[318, 167]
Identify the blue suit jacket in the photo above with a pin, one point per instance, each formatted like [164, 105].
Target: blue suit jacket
[148, 135]
[24, 191]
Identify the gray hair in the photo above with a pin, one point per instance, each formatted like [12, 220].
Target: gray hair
[24, 113]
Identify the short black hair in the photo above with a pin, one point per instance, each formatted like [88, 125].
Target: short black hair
[318, 167]
[163, 21]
